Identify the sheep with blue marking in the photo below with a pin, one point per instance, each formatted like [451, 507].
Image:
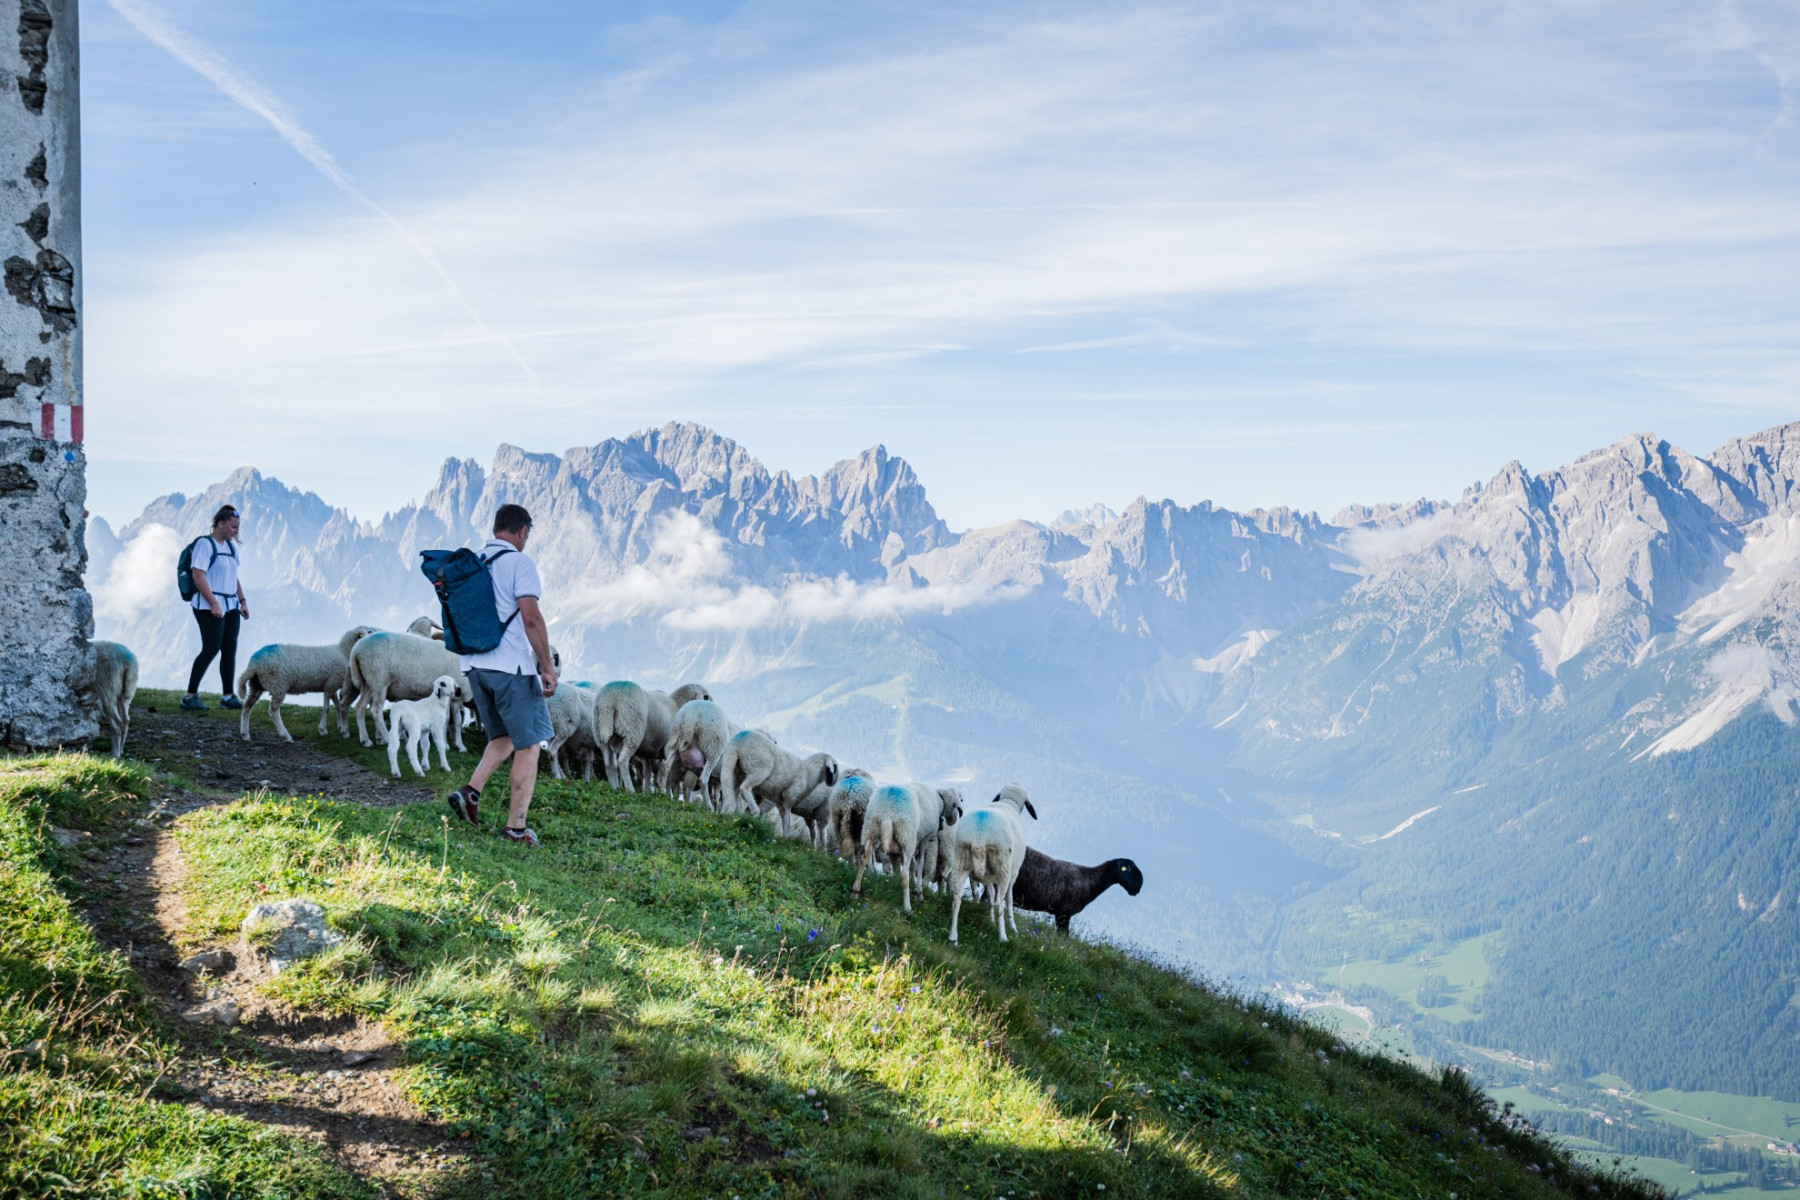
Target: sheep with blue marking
[898, 817]
[111, 687]
[844, 809]
[988, 847]
[631, 725]
[285, 669]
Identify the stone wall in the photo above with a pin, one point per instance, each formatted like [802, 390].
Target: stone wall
[46, 616]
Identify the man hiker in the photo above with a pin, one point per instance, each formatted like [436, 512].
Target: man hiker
[510, 681]
[218, 605]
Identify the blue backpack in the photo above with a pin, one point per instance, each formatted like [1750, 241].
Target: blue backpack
[465, 589]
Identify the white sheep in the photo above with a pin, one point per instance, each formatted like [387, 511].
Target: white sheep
[285, 669]
[632, 723]
[571, 727]
[898, 817]
[697, 740]
[814, 809]
[401, 666]
[988, 847]
[425, 627]
[755, 772]
[114, 683]
[844, 809]
[421, 720]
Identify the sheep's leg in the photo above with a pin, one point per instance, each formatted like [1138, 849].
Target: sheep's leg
[325, 702]
[868, 856]
[957, 879]
[254, 694]
[416, 735]
[443, 757]
[276, 699]
[556, 770]
[393, 749]
[456, 723]
[906, 880]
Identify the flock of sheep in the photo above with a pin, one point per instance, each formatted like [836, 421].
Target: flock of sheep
[684, 744]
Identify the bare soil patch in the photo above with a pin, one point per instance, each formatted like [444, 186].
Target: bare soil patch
[331, 1079]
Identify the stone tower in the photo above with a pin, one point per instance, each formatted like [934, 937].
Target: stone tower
[46, 615]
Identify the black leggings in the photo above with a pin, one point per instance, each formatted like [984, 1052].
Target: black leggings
[218, 635]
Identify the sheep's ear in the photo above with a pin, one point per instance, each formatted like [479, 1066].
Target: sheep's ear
[1031, 810]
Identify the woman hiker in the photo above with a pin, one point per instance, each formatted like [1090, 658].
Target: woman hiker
[219, 605]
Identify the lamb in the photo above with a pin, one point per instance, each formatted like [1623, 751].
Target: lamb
[402, 666]
[421, 720]
[989, 848]
[844, 809]
[754, 771]
[631, 722]
[1063, 889]
[114, 683]
[285, 669]
[898, 817]
[697, 740]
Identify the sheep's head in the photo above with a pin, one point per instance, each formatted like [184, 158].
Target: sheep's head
[443, 687]
[1015, 795]
[951, 801]
[828, 769]
[1125, 873]
[689, 691]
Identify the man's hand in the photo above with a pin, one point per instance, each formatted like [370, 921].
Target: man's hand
[547, 677]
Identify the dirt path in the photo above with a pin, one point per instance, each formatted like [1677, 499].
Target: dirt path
[333, 1080]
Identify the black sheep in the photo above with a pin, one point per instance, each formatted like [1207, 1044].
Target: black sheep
[1063, 889]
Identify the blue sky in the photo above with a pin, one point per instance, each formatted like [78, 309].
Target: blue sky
[1300, 253]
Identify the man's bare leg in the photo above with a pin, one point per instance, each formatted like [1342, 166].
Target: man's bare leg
[491, 758]
[524, 780]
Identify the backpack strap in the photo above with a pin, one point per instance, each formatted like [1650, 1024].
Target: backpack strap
[488, 561]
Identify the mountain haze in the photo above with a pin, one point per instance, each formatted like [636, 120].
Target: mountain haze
[1283, 718]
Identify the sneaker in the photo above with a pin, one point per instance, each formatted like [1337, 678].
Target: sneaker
[231, 702]
[522, 836]
[465, 802]
[194, 702]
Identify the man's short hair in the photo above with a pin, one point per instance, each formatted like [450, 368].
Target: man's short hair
[511, 518]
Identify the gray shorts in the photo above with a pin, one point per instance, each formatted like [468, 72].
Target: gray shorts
[510, 706]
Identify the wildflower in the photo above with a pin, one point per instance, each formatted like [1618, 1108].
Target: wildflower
[914, 989]
[812, 935]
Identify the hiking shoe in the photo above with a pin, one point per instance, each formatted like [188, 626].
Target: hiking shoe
[194, 702]
[523, 836]
[231, 702]
[465, 802]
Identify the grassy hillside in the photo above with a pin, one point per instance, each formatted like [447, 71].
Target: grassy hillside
[661, 1002]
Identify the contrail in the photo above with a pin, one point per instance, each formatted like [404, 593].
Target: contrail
[251, 96]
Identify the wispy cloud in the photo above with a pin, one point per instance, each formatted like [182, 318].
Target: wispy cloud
[251, 96]
[1376, 201]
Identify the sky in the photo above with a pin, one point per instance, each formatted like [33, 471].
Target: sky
[1296, 253]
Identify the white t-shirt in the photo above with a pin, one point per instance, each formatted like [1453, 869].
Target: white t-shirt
[514, 575]
[219, 561]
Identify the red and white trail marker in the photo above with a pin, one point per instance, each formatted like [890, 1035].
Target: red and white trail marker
[61, 423]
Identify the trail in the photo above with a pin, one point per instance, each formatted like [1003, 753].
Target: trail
[333, 1080]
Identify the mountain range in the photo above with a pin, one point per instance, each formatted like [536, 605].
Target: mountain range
[1406, 714]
